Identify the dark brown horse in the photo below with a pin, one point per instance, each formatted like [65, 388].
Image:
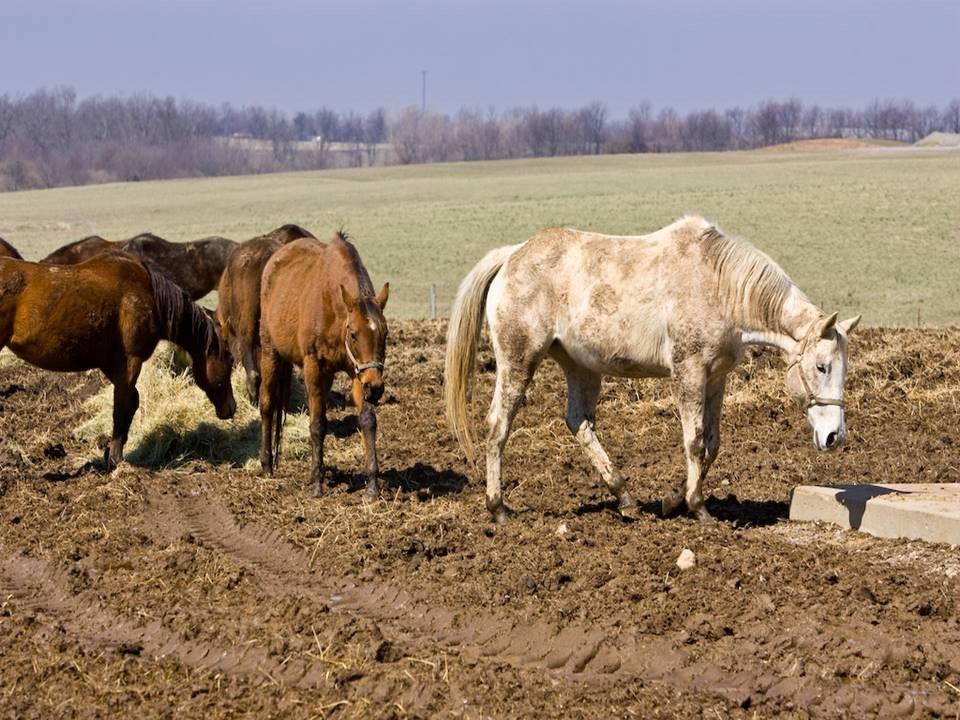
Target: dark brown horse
[238, 309]
[8, 250]
[195, 266]
[109, 313]
[319, 311]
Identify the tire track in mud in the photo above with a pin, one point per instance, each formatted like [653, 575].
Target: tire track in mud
[36, 585]
[577, 651]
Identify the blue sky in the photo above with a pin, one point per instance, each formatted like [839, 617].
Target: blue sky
[358, 54]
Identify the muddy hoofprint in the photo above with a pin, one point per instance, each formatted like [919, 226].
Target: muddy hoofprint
[683, 302]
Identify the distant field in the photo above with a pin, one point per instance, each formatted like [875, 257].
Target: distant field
[872, 231]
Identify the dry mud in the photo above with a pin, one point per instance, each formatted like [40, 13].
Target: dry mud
[204, 590]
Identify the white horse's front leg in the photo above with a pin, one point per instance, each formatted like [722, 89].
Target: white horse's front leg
[692, 403]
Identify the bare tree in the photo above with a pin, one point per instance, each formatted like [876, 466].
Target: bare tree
[593, 120]
[374, 132]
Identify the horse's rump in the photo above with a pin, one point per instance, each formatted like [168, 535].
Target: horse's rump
[80, 251]
[8, 250]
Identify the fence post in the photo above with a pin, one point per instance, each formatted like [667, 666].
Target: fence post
[433, 301]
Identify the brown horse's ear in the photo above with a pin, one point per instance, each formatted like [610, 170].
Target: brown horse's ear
[826, 327]
[348, 300]
[848, 325]
[383, 295]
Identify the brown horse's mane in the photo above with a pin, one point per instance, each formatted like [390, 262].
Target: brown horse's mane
[180, 315]
[342, 244]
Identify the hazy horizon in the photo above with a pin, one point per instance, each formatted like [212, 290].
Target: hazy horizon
[301, 55]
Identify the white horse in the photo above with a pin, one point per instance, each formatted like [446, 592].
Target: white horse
[683, 302]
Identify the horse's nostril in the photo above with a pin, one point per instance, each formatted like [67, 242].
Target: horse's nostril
[832, 439]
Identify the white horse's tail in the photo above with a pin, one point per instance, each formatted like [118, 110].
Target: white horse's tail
[463, 335]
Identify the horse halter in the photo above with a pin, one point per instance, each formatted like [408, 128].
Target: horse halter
[810, 400]
[360, 367]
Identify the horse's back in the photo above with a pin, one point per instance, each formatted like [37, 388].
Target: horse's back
[605, 299]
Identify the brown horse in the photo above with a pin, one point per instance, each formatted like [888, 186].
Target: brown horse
[195, 266]
[320, 313]
[238, 309]
[8, 250]
[109, 313]
[80, 250]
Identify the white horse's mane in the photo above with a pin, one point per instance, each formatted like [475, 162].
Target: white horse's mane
[751, 287]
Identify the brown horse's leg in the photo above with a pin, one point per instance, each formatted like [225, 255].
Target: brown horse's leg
[126, 400]
[251, 365]
[318, 386]
[269, 399]
[367, 422]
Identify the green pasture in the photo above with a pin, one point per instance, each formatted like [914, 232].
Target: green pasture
[872, 231]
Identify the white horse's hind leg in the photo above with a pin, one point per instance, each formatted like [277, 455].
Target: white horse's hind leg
[511, 385]
[583, 389]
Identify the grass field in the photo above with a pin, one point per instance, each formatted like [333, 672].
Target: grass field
[873, 231]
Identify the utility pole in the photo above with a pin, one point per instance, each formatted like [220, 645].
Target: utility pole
[423, 100]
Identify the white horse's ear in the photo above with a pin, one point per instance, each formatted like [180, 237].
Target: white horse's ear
[848, 325]
[826, 327]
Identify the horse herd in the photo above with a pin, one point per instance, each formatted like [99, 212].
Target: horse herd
[683, 301]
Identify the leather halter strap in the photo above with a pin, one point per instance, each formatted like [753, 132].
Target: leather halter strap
[360, 367]
[810, 399]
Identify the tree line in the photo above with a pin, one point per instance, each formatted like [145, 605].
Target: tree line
[51, 138]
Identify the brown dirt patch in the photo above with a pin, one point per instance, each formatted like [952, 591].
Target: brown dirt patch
[830, 145]
[209, 591]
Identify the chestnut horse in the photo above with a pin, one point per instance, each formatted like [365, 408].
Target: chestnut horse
[8, 250]
[194, 266]
[109, 313]
[683, 301]
[319, 311]
[238, 308]
[80, 250]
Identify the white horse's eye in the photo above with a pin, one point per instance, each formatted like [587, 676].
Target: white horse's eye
[822, 369]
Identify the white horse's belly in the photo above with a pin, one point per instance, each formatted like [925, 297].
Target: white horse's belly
[621, 356]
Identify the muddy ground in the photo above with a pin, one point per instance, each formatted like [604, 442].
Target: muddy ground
[209, 591]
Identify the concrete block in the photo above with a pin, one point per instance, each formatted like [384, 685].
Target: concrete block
[899, 510]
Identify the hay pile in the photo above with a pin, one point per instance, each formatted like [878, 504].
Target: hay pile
[177, 424]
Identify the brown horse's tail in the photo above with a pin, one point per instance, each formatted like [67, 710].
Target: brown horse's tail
[182, 321]
[279, 412]
[463, 335]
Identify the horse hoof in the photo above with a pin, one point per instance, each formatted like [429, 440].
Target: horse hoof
[372, 490]
[629, 510]
[704, 516]
[671, 504]
[502, 514]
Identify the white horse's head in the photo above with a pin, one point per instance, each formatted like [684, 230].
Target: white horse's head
[815, 377]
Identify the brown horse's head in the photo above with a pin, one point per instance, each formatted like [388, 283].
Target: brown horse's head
[213, 366]
[365, 339]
